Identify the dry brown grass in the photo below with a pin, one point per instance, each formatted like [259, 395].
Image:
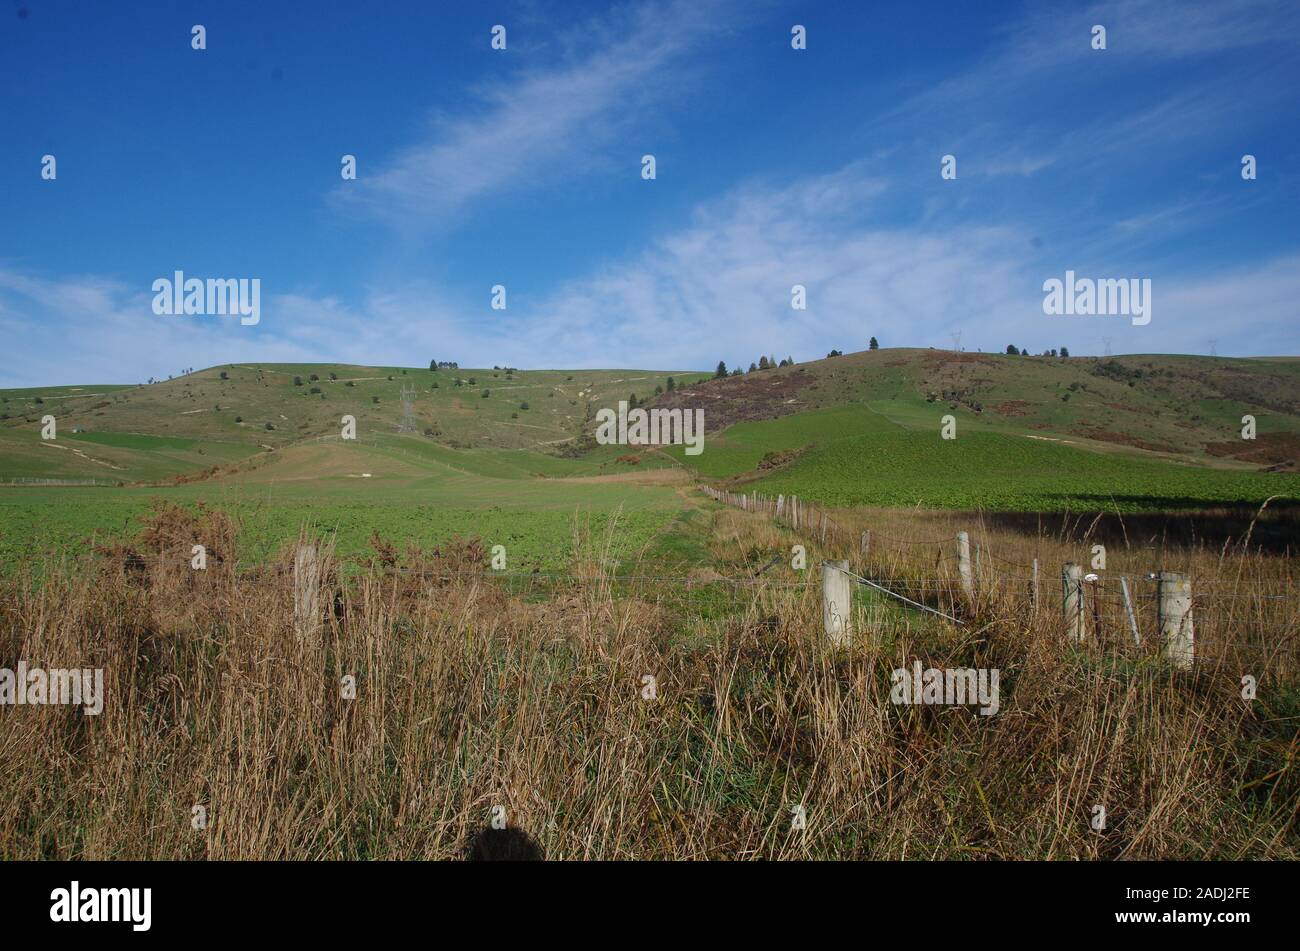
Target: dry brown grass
[476, 691]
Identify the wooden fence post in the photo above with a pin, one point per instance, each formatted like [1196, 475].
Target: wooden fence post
[1072, 602]
[1174, 592]
[837, 601]
[306, 590]
[866, 543]
[963, 564]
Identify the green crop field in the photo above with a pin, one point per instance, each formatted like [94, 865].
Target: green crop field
[1010, 473]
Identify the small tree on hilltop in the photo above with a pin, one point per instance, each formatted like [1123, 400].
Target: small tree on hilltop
[721, 371]
[874, 344]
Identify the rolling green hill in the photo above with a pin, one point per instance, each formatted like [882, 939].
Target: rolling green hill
[221, 415]
[1127, 433]
[1135, 433]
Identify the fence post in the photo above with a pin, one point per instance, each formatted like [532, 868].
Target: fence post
[1128, 606]
[1072, 602]
[963, 564]
[1174, 593]
[866, 543]
[306, 590]
[1033, 591]
[837, 601]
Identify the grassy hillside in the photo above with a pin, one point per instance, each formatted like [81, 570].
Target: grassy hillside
[222, 414]
[1126, 434]
[1183, 406]
[1132, 433]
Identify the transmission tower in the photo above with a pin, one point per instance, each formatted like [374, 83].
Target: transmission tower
[956, 341]
[1106, 341]
[408, 423]
[1214, 348]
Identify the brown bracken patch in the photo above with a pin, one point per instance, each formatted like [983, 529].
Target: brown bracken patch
[1278, 451]
[1123, 439]
[1012, 408]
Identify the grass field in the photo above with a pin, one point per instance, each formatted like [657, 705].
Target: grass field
[399, 487]
[522, 687]
[518, 466]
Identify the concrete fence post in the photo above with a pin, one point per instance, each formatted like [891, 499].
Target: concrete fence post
[1174, 593]
[837, 601]
[1128, 606]
[1033, 587]
[963, 564]
[306, 590]
[1072, 601]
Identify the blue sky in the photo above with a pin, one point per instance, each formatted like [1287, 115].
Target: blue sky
[522, 167]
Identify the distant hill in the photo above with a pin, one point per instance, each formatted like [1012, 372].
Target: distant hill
[225, 414]
[764, 426]
[1034, 433]
[1184, 406]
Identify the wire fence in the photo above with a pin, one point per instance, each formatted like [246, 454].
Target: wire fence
[966, 582]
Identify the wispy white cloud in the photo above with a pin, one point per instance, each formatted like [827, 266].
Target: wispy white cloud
[524, 131]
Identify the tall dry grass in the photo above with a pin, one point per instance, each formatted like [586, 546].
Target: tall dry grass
[474, 692]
